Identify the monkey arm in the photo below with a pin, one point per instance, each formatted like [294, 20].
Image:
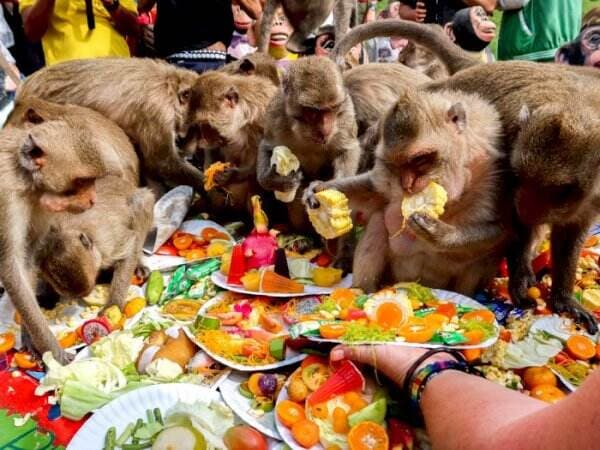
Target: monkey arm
[475, 237]
[17, 279]
[169, 166]
[566, 242]
[265, 25]
[251, 7]
[359, 189]
[521, 275]
[36, 19]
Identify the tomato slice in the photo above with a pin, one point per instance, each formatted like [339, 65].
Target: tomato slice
[446, 309]
[183, 242]
[167, 249]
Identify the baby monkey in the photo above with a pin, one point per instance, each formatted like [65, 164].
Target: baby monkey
[76, 247]
[444, 137]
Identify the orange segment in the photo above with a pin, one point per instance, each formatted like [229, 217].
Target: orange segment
[306, 433]
[368, 436]
[436, 320]
[289, 412]
[483, 315]
[332, 330]
[319, 411]
[7, 342]
[355, 401]
[417, 331]
[389, 315]
[474, 336]
[340, 421]
[68, 339]
[581, 347]
[24, 360]
[547, 393]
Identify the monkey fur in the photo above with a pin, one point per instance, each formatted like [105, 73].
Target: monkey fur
[257, 63]
[550, 134]
[306, 16]
[148, 99]
[34, 184]
[450, 138]
[76, 247]
[229, 118]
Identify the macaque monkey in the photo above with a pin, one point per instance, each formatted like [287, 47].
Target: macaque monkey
[46, 168]
[422, 60]
[229, 119]
[550, 132]
[312, 115]
[259, 64]
[445, 137]
[306, 16]
[148, 99]
[109, 235]
[29, 112]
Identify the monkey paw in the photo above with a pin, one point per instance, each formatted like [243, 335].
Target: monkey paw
[308, 198]
[518, 284]
[428, 228]
[276, 182]
[225, 177]
[142, 272]
[572, 308]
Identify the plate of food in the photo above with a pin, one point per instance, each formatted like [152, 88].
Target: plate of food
[161, 416]
[244, 333]
[252, 397]
[194, 241]
[406, 314]
[320, 409]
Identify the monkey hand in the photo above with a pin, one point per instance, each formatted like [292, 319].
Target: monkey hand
[519, 283]
[283, 183]
[431, 229]
[226, 176]
[568, 305]
[308, 198]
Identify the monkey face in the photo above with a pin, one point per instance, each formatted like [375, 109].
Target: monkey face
[316, 124]
[62, 172]
[69, 261]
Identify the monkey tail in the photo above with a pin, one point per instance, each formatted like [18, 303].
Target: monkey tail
[451, 55]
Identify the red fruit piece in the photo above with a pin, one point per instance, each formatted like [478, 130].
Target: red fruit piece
[237, 267]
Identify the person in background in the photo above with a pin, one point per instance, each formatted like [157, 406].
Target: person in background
[195, 34]
[63, 28]
[585, 49]
[439, 11]
[243, 41]
[462, 411]
[281, 30]
[29, 56]
[533, 30]
[473, 31]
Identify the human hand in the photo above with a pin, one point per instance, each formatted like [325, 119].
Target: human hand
[420, 12]
[392, 360]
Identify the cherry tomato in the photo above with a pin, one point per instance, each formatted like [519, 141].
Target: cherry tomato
[243, 437]
[503, 269]
[182, 242]
[323, 260]
[167, 249]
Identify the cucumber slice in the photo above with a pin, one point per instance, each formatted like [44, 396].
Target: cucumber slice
[245, 391]
[266, 406]
[277, 348]
[207, 323]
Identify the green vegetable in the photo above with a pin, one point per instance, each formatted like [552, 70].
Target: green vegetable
[125, 435]
[207, 323]
[245, 391]
[360, 301]
[277, 348]
[120, 348]
[357, 332]
[109, 439]
[375, 412]
[148, 430]
[136, 446]
[266, 405]
[155, 287]
[329, 305]
[416, 292]
[488, 328]
[158, 416]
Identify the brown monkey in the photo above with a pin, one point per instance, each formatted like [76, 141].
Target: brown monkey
[31, 111]
[109, 235]
[305, 16]
[312, 115]
[148, 99]
[450, 138]
[545, 112]
[229, 114]
[258, 63]
[422, 60]
[46, 168]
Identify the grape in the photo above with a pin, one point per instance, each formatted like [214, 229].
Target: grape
[267, 384]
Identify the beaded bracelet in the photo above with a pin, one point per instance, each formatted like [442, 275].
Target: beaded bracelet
[426, 374]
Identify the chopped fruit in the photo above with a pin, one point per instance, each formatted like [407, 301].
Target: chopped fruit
[7, 342]
[483, 315]
[343, 297]
[368, 436]
[326, 276]
[211, 171]
[134, 306]
[320, 411]
[472, 354]
[253, 384]
[315, 375]
[332, 330]
[355, 401]
[340, 420]
[547, 393]
[69, 339]
[183, 242]
[437, 320]
[447, 309]
[474, 336]
[297, 390]
[25, 361]
[306, 433]
[289, 412]
[417, 330]
[536, 376]
[534, 293]
[581, 347]
[182, 309]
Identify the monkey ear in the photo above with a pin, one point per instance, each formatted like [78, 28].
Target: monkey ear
[232, 97]
[32, 116]
[524, 115]
[247, 67]
[450, 31]
[458, 116]
[31, 156]
[85, 241]
[184, 95]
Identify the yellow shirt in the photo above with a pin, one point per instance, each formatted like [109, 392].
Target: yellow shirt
[68, 36]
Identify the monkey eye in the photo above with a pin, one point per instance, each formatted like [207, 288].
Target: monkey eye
[424, 163]
[85, 241]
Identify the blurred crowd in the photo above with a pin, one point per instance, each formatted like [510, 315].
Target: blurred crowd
[206, 34]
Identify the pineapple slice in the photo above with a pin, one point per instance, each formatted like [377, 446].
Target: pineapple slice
[285, 162]
[332, 218]
[430, 201]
